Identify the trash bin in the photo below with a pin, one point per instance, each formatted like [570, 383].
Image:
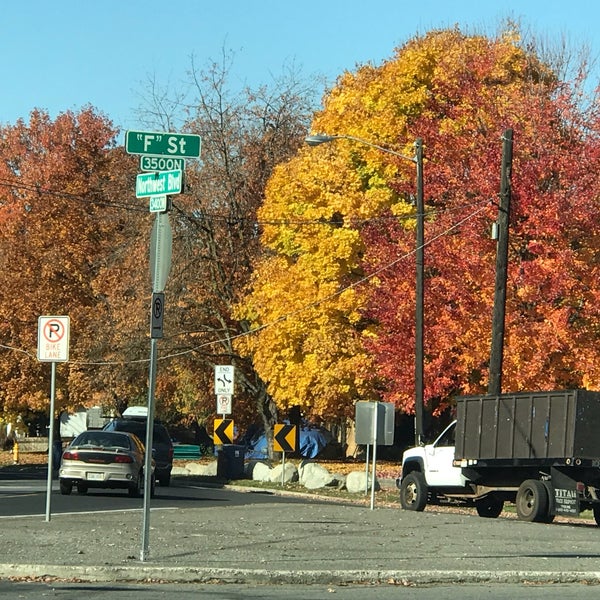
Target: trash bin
[230, 461]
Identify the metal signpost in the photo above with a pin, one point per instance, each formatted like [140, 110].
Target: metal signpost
[160, 265]
[53, 347]
[374, 425]
[284, 440]
[163, 154]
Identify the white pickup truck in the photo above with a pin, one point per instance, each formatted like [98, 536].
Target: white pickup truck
[538, 450]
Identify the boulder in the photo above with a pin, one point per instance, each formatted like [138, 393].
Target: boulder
[195, 468]
[258, 471]
[290, 473]
[313, 476]
[357, 481]
[179, 471]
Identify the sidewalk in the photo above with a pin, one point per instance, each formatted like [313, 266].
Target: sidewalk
[290, 542]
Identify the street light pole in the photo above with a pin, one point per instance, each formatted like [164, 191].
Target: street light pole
[315, 140]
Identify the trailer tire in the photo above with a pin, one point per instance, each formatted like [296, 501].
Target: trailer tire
[413, 492]
[532, 501]
[489, 507]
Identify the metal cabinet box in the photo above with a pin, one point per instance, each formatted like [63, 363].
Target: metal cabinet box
[385, 423]
[529, 425]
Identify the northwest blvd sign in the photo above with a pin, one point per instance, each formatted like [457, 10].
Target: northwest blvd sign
[157, 143]
[161, 183]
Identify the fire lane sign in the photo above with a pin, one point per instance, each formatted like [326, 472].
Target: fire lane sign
[160, 143]
[53, 339]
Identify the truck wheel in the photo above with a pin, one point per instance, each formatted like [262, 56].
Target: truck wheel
[489, 507]
[413, 492]
[532, 501]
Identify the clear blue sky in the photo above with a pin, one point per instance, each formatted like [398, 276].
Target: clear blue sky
[63, 54]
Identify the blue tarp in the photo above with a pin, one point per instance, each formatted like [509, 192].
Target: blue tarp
[312, 441]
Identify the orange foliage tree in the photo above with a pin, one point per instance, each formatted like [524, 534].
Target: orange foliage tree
[334, 303]
[57, 210]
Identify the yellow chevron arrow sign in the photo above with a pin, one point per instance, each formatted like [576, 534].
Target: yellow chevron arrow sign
[223, 432]
[284, 438]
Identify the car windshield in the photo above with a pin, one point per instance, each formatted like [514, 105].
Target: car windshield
[101, 440]
[139, 428]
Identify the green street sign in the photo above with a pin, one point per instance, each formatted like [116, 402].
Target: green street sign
[158, 143]
[158, 184]
[161, 163]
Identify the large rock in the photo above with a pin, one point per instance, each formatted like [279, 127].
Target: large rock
[357, 481]
[313, 476]
[258, 471]
[290, 473]
[209, 469]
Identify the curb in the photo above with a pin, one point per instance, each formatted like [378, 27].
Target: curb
[157, 574]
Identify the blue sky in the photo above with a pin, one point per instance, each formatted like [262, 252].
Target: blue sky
[62, 54]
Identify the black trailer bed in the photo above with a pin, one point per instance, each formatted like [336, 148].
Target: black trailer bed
[563, 425]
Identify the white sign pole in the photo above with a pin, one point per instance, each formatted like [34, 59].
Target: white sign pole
[53, 346]
[375, 415]
[50, 443]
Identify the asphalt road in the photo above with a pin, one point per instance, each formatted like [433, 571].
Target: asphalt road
[25, 497]
[233, 536]
[121, 591]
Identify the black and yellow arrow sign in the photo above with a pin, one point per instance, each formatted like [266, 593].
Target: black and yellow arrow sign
[284, 438]
[223, 432]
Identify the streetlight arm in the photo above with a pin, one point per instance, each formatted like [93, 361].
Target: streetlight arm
[315, 140]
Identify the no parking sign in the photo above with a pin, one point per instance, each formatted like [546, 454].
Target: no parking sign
[53, 339]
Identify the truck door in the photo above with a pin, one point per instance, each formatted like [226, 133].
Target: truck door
[439, 471]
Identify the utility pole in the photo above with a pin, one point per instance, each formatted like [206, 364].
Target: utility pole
[498, 319]
[419, 298]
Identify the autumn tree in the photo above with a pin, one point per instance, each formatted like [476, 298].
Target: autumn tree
[481, 87]
[55, 240]
[244, 135]
[333, 304]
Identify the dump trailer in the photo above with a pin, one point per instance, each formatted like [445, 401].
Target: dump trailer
[538, 450]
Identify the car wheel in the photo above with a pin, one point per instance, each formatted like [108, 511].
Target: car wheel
[136, 489]
[66, 487]
[82, 488]
[413, 492]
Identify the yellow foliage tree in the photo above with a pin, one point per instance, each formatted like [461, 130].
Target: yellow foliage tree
[308, 296]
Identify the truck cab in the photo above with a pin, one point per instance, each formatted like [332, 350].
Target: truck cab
[433, 463]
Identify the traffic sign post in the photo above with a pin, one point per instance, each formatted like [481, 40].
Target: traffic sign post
[53, 346]
[284, 440]
[160, 265]
[160, 143]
